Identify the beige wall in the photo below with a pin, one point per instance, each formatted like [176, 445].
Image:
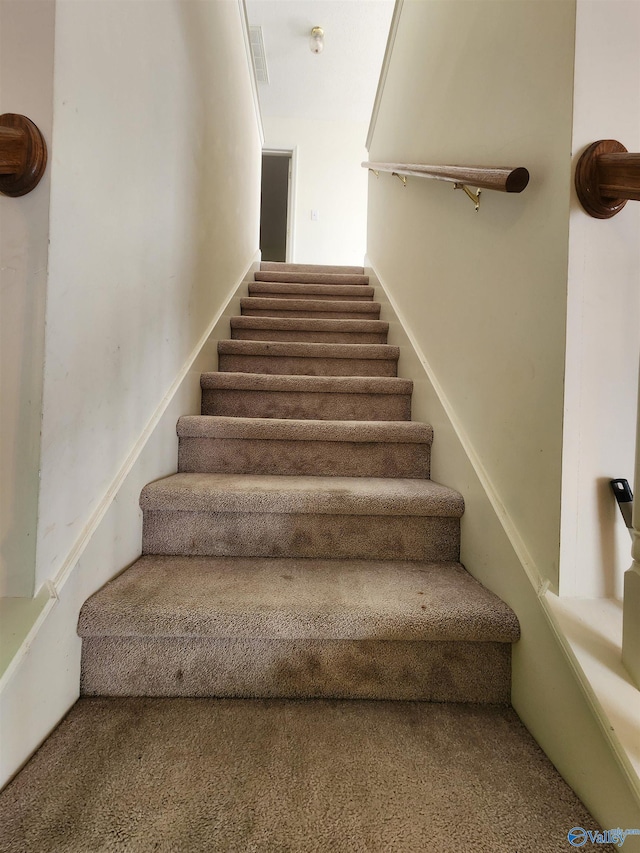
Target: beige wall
[603, 313]
[548, 691]
[154, 216]
[26, 42]
[484, 293]
[327, 178]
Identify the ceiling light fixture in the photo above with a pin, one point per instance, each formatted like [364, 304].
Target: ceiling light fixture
[316, 42]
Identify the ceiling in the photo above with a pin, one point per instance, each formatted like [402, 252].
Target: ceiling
[339, 83]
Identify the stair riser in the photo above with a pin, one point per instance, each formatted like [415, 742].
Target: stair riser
[317, 337]
[334, 297]
[306, 405]
[277, 266]
[291, 365]
[250, 534]
[313, 458]
[298, 277]
[297, 669]
[249, 311]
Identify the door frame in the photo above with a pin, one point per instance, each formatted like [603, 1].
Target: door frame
[292, 153]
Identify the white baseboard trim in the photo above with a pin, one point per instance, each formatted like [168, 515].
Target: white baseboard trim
[509, 527]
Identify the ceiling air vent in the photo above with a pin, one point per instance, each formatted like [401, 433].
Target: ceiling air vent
[259, 57]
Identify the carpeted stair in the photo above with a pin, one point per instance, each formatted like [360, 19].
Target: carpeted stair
[354, 398]
[286, 290]
[301, 552]
[325, 309]
[322, 448]
[307, 359]
[312, 330]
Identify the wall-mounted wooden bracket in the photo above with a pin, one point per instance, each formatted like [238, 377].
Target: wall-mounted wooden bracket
[474, 196]
[607, 176]
[23, 155]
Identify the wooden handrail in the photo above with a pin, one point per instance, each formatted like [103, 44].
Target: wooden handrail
[501, 178]
[23, 155]
[607, 176]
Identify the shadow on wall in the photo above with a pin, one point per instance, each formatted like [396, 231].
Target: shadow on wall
[219, 155]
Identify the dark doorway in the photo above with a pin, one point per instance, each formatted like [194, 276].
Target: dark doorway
[276, 174]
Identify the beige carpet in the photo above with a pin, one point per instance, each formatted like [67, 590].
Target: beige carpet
[203, 775]
[301, 551]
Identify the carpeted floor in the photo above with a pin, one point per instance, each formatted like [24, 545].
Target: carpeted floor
[204, 775]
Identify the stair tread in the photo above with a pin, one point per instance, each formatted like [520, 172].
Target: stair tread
[211, 426]
[344, 305]
[316, 277]
[297, 599]
[309, 350]
[271, 493]
[315, 384]
[309, 324]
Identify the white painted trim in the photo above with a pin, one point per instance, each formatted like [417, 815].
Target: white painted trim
[551, 606]
[393, 29]
[631, 599]
[47, 591]
[244, 18]
[291, 214]
[499, 508]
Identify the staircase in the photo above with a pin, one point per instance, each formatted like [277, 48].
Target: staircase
[301, 550]
[300, 553]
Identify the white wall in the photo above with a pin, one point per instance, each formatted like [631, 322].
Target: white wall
[155, 190]
[328, 178]
[26, 41]
[154, 215]
[603, 313]
[485, 293]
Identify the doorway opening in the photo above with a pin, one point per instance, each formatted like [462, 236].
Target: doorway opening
[276, 208]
